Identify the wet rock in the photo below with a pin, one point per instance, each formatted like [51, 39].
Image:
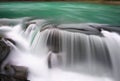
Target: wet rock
[10, 72]
[4, 77]
[79, 28]
[12, 41]
[4, 51]
[54, 60]
[107, 27]
[14, 73]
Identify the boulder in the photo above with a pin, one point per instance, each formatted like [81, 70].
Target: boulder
[4, 51]
[14, 73]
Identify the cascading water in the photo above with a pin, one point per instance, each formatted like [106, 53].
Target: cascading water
[80, 56]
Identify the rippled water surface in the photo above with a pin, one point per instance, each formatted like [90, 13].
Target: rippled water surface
[62, 11]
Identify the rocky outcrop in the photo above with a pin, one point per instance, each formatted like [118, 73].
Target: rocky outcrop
[14, 73]
[10, 72]
[4, 51]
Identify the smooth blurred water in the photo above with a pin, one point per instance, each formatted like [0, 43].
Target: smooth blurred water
[34, 56]
[63, 12]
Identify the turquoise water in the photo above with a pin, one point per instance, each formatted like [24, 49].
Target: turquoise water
[63, 12]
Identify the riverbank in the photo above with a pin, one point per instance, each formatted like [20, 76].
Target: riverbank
[112, 2]
[103, 2]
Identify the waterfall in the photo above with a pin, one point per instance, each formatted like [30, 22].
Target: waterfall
[80, 51]
[112, 41]
[85, 54]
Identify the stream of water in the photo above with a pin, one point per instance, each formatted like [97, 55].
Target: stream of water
[64, 12]
[78, 56]
[59, 43]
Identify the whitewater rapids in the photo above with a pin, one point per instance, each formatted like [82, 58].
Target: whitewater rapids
[34, 57]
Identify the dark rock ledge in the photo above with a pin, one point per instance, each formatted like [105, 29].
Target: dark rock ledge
[10, 72]
[14, 73]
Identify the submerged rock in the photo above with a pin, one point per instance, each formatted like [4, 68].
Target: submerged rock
[13, 22]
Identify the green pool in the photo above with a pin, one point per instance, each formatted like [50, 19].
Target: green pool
[64, 12]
